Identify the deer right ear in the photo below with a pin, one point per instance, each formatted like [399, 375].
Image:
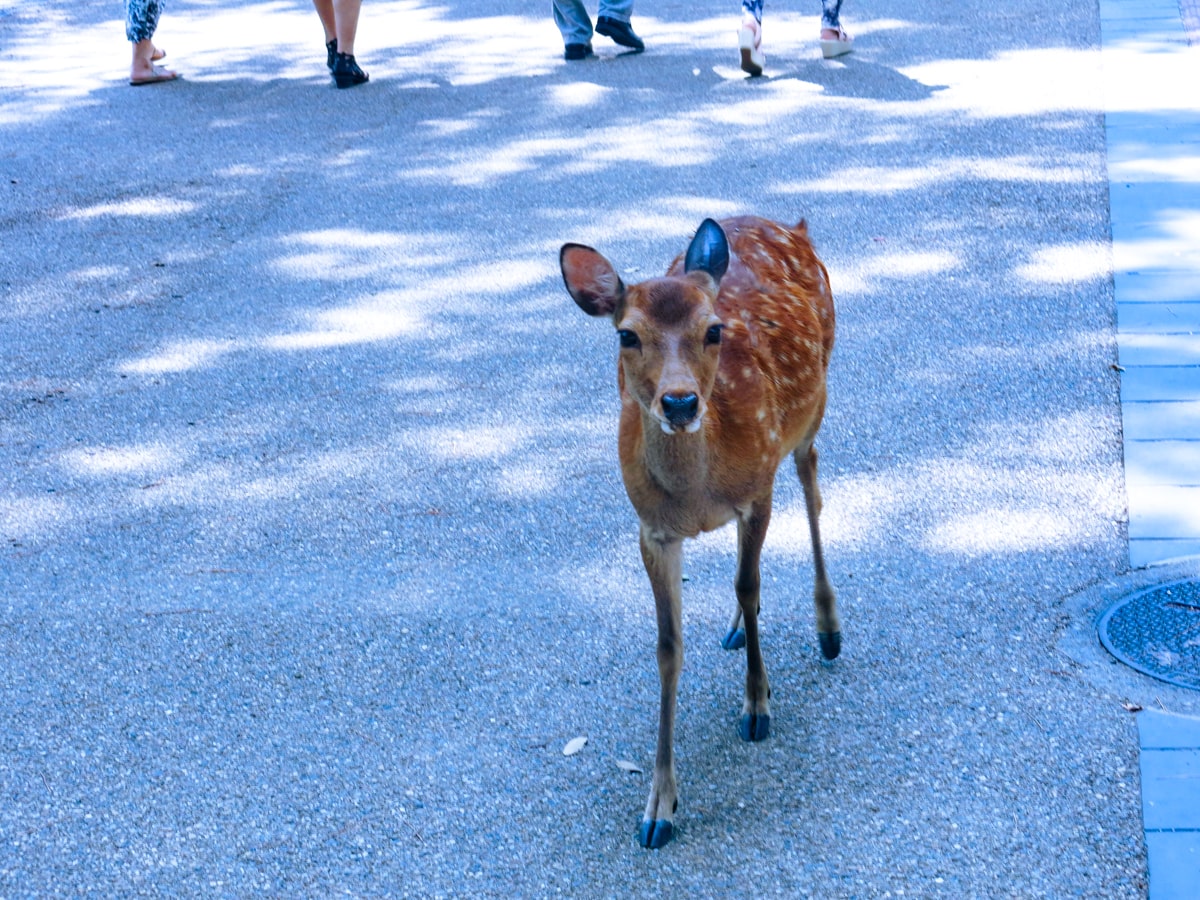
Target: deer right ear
[708, 251]
[591, 280]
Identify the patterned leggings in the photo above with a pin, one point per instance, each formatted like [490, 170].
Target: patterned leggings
[141, 18]
[829, 11]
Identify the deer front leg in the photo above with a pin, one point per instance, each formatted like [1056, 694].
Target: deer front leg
[755, 723]
[663, 560]
[829, 626]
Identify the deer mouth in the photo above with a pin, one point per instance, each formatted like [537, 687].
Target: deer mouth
[684, 428]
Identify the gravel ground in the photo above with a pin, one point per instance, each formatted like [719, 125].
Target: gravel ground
[314, 548]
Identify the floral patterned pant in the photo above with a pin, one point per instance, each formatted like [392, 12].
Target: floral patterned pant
[141, 18]
[829, 11]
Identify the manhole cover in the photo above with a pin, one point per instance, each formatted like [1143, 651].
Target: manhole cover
[1157, 632]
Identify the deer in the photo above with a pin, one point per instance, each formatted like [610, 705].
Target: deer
[721, 371]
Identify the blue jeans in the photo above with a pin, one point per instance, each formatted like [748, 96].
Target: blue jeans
[572, 19]
[829, 11]
[141, 18]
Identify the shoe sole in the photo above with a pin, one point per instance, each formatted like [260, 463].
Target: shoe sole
[618, 37]
[834, 49]
[750, 65]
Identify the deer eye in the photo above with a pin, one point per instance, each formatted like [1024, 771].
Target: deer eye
[713, 335]
[628, 339]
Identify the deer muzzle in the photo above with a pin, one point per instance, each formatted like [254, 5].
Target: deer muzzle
[682, 412]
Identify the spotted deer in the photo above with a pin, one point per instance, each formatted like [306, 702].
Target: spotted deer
[721, 373]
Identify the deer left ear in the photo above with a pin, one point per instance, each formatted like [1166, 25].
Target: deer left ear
[708, 251]
[591, 280]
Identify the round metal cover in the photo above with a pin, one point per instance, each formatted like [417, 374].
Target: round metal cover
[1157, 632]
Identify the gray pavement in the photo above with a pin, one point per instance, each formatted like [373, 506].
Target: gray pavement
[314, 550]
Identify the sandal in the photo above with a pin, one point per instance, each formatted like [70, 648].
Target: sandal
[157, 77]
[836, 46]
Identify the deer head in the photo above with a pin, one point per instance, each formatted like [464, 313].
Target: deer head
[668, 328]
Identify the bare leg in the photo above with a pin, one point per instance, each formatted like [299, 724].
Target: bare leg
[756, 711]
[346, 16]
[325, 11]
[664, 566]
[829, 627]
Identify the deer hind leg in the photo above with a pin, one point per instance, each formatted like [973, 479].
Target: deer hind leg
[755, 723]
[829, 627]
[663, 561]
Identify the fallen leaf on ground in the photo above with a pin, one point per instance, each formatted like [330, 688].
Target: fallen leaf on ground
[626, 766]
[574, 746]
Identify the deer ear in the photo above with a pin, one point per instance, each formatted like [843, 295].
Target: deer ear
[591, 280]
[708, 252]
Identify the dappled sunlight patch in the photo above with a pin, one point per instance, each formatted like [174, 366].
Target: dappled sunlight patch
[526, 481]
[1068, 264]
[911, 264]
[981, 508]
[863, 277]
[484, 442]
[138, 459]
[1176, 246]
[180, 356]
[1007, 531]
[28, 517]
[338, 254]
[1182, 169]
[98, 273]
[662, 143]
[1013, 83]
[1144, 75]
[887, 180]
[782, 97]
[858, 511]
[145, 207]
[350, 325]
[577, 95]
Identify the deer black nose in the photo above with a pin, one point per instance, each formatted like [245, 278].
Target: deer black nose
[680, 408]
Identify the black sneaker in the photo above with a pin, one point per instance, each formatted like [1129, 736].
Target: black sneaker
[346, 71]
[619, 31]
[578, 51]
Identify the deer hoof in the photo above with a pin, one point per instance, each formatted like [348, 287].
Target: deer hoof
[655, 833]
[754, 728]
[831, 643]
[735, 639]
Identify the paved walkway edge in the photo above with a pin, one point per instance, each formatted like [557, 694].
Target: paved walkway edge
[1170, 770]
[1153, 141]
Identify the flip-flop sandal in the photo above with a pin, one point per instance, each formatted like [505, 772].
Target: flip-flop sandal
[159, 76]
[838, 46]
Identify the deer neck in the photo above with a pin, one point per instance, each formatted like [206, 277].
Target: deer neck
[678, 463]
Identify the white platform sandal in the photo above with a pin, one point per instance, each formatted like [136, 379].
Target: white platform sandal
[838, 46]
[750, 46]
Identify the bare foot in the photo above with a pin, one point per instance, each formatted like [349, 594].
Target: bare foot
[151, 75]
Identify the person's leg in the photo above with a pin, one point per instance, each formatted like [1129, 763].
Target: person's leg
[750, 37]
[613, 21]
[573, 22]
[830, 12]
[834, 40]
[325, 12]
[345, 69]
[141, 21]
[345, 13]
